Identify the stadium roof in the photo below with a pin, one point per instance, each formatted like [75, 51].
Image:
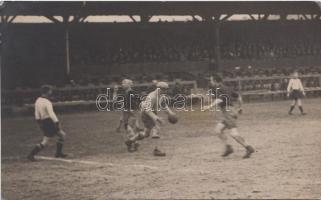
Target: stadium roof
[202, 8]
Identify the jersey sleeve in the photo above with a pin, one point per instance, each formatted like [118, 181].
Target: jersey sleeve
[147, 104]
[37, 114]
[289, 86]
[301, 86]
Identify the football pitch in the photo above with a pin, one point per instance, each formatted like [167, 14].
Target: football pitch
[287, 162]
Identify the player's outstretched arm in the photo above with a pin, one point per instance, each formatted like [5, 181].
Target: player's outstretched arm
[155, 118]
[168, 111]
[289, 88]
[216, 102]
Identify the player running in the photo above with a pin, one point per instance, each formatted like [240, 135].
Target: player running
[48, 123]
[121, 121]
[295, 91]
[130, 111]
[224, 99]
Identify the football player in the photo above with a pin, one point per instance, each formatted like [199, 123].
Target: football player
[130, 111]
[149, 109]
[296, 92]
[49, 124]
[224, 100]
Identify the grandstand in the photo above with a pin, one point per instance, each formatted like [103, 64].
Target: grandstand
[73, 53]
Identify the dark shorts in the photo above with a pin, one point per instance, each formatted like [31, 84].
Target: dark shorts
[49, 128]
[296, 94]
[127, 115]
[147, 121]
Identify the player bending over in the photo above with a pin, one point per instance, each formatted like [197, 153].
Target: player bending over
[295, 91]
[150, 119]
[48, 123]
[224, 101]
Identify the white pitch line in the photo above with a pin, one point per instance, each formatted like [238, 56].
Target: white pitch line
[93, 162]
[86, 162]
[11, 158]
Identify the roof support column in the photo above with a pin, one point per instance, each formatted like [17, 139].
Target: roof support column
[217, 47]
[67, 50]
[65, 23]
[67, 46]
[283, 17]
[214, 31]
[3, 40]
[145, 18]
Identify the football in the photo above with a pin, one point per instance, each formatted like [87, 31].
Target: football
[172, 119]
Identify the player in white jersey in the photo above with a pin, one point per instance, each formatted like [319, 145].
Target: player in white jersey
[49, 124]
[153, 103]
[296, 92]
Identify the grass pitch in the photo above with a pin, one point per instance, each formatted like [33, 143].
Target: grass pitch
[286, 164]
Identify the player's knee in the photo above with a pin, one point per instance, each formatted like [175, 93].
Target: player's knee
[62, 135]
[222, 136]
[299, 102]
[40, 145]
[45, 142]
[147, 132]
[219, 128]
[130, 131]
[234, 132]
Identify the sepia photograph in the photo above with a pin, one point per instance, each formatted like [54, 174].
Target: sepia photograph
[160, 100]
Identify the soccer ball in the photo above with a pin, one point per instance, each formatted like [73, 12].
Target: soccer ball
[172, 119]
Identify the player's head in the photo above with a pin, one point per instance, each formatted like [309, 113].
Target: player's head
[234, 96]
[295, 74]
[163, 87]
[154, 82]
[218, 80]
[46, 90]
[127, 83]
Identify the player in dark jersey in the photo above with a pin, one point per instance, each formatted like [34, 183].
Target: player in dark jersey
[225, 97]
[130, 111]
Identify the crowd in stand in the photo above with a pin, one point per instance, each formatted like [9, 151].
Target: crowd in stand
[161, 45]
[160, 49]
[271, 50]
[194, 51]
